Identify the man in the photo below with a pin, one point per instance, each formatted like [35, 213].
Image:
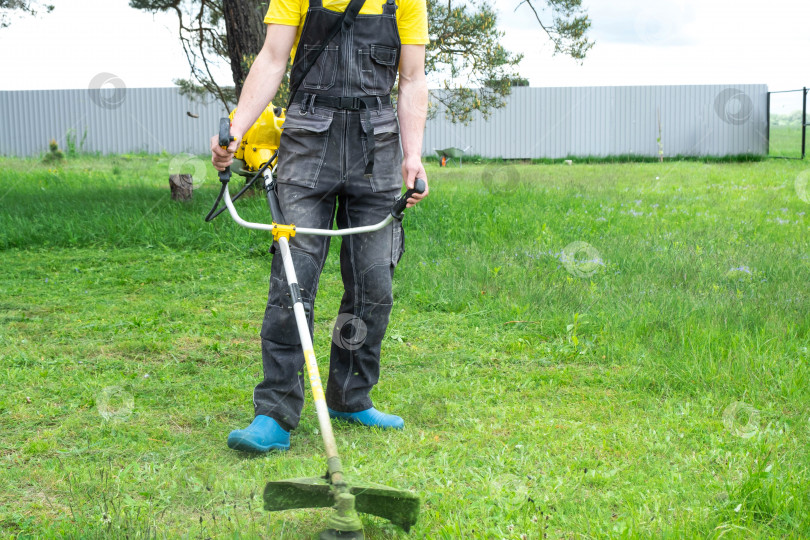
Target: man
[339, 158]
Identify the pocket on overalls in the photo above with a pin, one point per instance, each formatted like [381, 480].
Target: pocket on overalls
[302, 150]
[387, 173]
[279, 323]
[378, 69]
[323, 74]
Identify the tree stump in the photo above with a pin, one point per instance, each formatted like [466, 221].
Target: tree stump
[182, 186]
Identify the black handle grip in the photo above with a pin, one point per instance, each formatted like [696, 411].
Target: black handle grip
[225, 132]
[224, 140]
[419, 186]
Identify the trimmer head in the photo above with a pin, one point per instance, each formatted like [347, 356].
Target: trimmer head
[398, 506]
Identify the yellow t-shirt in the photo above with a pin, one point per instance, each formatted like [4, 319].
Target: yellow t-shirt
[411, 17]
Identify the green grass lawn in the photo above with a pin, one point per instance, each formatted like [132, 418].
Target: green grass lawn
[786, 141]
[587, 351]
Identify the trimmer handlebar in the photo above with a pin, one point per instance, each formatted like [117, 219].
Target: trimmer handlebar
[225, 139]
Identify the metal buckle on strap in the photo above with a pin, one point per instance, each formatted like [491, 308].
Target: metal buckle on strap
[350, 103]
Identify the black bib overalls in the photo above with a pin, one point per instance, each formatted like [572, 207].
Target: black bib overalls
[340, 120]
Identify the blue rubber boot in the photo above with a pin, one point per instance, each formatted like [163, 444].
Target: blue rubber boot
[262, 435]
[371, 418]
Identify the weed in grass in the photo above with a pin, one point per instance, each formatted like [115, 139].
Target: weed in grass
[74, 148]
[54, 154]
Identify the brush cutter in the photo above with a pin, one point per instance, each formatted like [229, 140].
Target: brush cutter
[334, 489]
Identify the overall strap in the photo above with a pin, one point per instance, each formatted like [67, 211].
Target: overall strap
[389, 8]
[315, 4]
[344, 23]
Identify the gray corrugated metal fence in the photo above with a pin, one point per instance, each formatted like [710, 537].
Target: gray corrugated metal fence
[615, 120]
[115, 120]
[536, 123]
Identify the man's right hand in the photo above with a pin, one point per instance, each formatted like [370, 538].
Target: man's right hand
[260, 87]
[221, 157]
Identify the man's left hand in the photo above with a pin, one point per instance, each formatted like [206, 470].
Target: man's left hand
[412, 169]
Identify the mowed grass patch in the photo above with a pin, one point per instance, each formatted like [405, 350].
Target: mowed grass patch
[651, 380]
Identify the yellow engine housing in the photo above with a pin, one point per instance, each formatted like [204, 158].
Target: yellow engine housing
[260, 141]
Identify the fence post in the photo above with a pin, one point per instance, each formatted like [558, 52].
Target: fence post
[768, 125]
[804, 119]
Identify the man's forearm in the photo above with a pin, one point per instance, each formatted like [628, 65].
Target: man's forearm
[259, 89]
[412, 112]
[264, 77]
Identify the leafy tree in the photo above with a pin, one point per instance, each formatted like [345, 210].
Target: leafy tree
[212, 30]
[8, 7]
[790, 119]
[464, 56]
[567, 27]
[475, 72]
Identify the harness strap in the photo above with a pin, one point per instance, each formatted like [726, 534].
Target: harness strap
[344, 23]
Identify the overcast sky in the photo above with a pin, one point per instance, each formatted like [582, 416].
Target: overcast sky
[638, 42]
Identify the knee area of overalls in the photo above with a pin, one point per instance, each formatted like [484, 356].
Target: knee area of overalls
[279, 324]
[376, 285]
